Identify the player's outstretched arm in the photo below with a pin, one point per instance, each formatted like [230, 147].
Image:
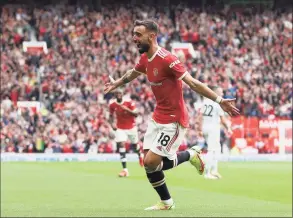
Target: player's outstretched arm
[200, 88]
[126, 78]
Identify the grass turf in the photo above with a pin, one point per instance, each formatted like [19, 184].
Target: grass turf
[92, 189]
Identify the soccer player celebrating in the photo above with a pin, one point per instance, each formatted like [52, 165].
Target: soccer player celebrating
[169, 121]
[211, 117]
[124, 128]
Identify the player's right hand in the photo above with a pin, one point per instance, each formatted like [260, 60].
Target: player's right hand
[114, 127]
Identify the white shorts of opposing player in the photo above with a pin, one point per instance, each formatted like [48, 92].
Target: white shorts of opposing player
[164, 139]
[212, 137]
[122, 135]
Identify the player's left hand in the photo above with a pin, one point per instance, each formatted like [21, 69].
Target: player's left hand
[228, 106]
[109, 87]
[229, 132]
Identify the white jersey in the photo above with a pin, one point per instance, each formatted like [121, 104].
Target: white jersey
[211, 112]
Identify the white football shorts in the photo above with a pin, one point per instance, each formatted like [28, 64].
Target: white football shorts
[212, 137]
[164, 139]
[122, 135]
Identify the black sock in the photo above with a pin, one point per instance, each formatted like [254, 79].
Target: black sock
[157, 179]
[136, 149]
[123, 159]
[182, 157]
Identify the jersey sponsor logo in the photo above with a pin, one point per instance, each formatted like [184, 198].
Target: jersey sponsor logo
[156, 84]
[159, 148]
[155, 72]
[174, 63]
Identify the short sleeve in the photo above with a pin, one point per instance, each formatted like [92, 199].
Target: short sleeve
[175, 67]
[141, 66]
[132, 105]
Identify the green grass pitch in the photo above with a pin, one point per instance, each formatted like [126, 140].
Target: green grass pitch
[92, 189]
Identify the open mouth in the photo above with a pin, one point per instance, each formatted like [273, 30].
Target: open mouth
[138, 45]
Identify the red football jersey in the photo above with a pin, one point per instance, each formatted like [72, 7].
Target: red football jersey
[124, 119]
[164, 72]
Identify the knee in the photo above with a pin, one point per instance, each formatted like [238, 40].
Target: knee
[121, 144]
[150, 164]
[122, 149]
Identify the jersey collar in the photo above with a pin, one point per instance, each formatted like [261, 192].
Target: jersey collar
[154, 55]
[121, 101]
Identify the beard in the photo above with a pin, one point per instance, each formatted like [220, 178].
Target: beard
[143, 48]
[119, 100]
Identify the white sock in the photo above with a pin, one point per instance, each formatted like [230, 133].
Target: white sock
[168, 202]
[207, 168]
[191, 153]
[214, 167]
[125, 169]
[209, 163]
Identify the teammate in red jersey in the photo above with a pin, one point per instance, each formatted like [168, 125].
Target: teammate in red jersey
[169, 122]
[124, 128]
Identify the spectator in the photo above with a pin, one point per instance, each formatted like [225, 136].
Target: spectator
[249, 54]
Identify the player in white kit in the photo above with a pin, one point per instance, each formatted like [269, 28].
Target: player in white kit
[212, 118]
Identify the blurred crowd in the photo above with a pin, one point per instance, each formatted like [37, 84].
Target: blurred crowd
[248, 54]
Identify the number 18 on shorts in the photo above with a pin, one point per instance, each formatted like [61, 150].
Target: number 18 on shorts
[164, 139]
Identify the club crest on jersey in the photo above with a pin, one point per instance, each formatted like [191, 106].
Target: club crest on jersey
[155, 72]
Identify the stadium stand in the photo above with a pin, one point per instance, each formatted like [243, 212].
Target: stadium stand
[247, 52]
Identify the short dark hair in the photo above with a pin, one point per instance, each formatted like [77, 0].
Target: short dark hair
[149, 25]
